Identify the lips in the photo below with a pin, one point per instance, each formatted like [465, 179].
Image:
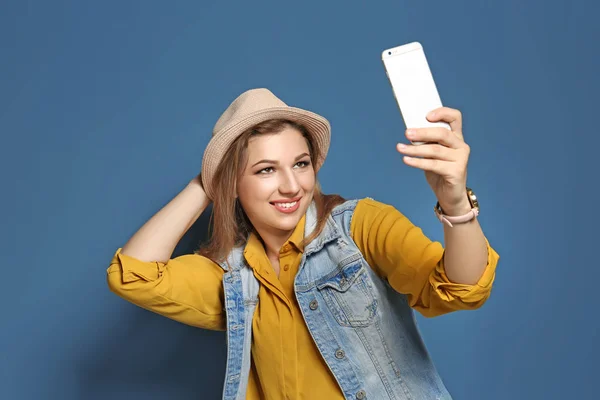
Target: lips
[287, 206]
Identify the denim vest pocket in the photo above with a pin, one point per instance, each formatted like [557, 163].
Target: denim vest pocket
[349, 295]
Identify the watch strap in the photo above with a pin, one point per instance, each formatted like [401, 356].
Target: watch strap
[459, 219]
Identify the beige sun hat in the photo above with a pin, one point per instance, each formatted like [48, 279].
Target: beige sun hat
[249, 109]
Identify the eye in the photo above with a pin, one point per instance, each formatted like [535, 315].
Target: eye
[303, 164]
[265, 170]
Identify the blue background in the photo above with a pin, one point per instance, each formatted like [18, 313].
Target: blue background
[106, 108]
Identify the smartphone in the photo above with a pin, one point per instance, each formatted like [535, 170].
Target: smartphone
[412, 84]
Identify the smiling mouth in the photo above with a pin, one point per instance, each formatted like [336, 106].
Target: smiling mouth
[285, 205]
[288, 207]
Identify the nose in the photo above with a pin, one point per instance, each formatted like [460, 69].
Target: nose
[289, 183]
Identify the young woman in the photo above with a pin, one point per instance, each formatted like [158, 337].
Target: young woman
[316, 293]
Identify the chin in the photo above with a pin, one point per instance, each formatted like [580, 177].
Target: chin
[286, 227]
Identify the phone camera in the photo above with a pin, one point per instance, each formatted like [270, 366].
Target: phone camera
[389, 53]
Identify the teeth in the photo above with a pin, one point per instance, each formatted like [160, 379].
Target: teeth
[286, 205]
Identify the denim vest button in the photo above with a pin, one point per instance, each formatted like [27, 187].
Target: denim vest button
[361, 394]
[313, 305]
[340, 354]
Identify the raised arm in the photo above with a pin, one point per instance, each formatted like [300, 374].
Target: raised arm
[188, 288]
[157, 238]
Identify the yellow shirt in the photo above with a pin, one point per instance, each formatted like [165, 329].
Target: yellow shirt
[286, 364]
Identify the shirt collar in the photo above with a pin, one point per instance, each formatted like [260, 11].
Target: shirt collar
[254, 243]
[298, 234]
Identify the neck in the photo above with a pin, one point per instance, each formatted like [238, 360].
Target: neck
[273, 241]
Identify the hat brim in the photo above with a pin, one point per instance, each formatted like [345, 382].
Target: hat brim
[317, 126]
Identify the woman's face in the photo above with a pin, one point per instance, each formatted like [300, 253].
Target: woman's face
[278, 181]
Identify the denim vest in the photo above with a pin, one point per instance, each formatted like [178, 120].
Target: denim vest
[365, 331]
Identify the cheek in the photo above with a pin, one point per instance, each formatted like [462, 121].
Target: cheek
[257, 190]
[308, 182]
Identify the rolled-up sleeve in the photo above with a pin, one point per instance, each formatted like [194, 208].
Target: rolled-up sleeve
[413, 265]
[187, 288]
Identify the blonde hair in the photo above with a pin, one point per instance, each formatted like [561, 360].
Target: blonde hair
[229, 223]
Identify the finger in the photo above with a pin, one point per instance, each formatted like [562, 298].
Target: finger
[441, 136]
[436, 166]
[450, 115]
[431, 151]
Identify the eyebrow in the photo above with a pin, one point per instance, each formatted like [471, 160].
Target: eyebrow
[277, 162]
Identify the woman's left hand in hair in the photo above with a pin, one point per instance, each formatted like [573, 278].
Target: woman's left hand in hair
[443, 157]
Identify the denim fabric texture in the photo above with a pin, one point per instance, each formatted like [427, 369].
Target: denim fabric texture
[365, 330]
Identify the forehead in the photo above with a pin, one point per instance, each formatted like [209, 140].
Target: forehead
[287, 143]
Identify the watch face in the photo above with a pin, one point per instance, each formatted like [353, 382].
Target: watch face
[473, 198]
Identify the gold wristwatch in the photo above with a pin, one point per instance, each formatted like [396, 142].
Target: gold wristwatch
[449, 220]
